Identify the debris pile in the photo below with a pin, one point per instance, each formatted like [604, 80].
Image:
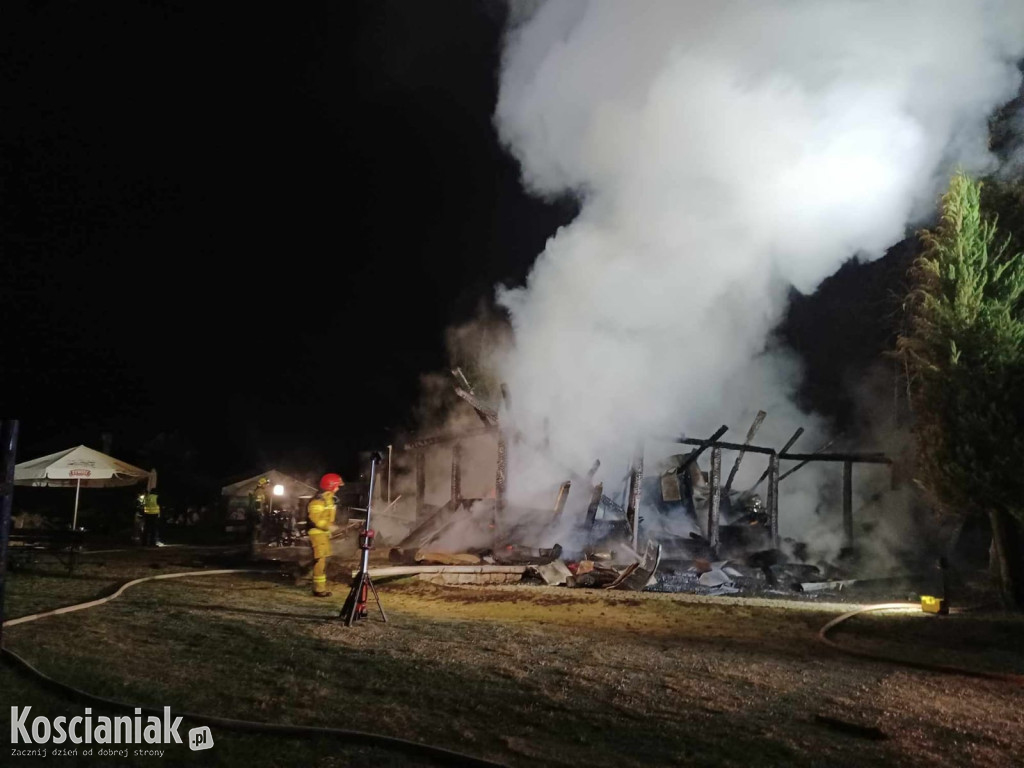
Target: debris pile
[702, 535]
[761, 572]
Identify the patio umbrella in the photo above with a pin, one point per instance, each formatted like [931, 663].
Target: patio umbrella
[80, 467]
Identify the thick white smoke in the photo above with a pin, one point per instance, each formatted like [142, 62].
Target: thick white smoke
[723, 152]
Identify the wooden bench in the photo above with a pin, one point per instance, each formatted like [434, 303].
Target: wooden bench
[25, 544]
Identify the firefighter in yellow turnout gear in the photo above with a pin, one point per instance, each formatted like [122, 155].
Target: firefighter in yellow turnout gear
[321, 512]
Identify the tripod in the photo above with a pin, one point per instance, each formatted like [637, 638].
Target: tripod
[355, 604]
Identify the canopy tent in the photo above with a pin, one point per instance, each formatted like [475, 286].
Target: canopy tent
[80, 467]
[289, 485]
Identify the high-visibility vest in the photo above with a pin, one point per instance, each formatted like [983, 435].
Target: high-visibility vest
[150, 505]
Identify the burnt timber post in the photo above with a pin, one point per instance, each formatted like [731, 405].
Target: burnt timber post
[563, 496]
[501, 478]
[714, 498]
[774, 477]
[702, 445]
[786, 447]
[636, 477]
[421, 483]
[456, 473]
[595, 503]
[848, 503]
[500, 481]
[773, 498]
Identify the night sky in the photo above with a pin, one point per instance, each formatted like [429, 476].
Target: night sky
[239, 234]
[247, 229]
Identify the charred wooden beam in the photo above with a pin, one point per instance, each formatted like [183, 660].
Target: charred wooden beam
[595, 503]
[613, 505]
[818, 456]
[714, 498]
[804, 463]
[758, 420]
[575, 476]
[804, 458]
[786, 447]
[588, 478]
[729, 446]
[500, 487]
[702, 445]
[563, 496]
[856, 458]
[792, 441]
[636, 476]
[456, 495]
[461, 378]
[487, 414]
[773, 498]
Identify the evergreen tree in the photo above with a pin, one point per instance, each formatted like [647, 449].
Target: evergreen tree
[964, 351]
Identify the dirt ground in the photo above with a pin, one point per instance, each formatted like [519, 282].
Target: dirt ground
[526, 675]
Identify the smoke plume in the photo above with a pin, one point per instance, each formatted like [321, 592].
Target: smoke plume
[722, 152]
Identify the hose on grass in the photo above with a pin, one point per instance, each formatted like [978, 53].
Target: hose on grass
[440, 754]
[944, 668]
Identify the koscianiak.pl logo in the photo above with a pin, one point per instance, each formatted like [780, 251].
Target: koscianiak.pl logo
[89, 735]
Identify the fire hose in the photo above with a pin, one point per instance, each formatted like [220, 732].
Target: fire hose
[944, 668]
[440, 754]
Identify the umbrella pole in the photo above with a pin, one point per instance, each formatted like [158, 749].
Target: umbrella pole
[78, 487]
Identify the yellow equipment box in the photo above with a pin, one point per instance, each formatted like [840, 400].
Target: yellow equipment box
[931, 604]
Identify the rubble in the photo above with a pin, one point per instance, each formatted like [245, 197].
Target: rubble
[513, 554]
[634, 576]
[594, 576]
[716, 577]
[645, 570]
[703, 535]
[554, 574]
[818, 586]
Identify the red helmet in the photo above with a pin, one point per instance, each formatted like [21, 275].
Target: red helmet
[331, 482]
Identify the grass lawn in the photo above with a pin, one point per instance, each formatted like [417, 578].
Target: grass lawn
[519, 675]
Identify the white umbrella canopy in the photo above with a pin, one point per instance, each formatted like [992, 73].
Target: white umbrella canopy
[78, 467]
[290, 485]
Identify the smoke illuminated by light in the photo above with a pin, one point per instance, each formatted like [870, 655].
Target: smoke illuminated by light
[722, 152]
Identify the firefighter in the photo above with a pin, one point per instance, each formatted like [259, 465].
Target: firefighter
[321, 512]
[257, 511]
[151, 518]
